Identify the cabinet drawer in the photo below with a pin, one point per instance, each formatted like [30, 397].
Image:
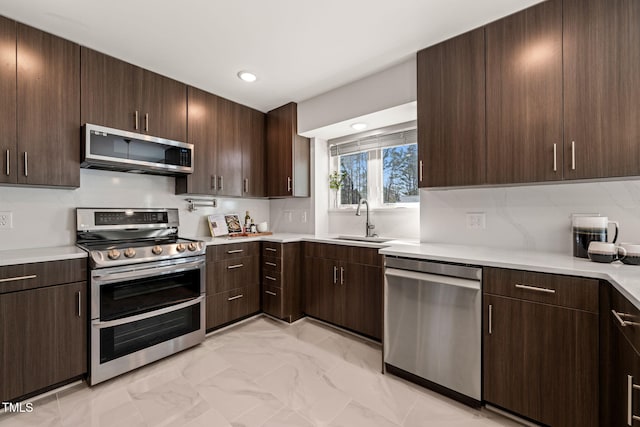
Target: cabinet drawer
[231, 274]
[627, 315]
[565, 291]
[225, 307]
[272, 278]
[271, 264]
[270, 249]
[272, 301]
[35, 275]
[237, 250]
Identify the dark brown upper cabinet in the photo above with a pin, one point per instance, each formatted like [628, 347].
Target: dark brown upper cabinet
[8, 138]
[288, 154]
[451, 112]
[524, 96]
[252, 134]
[122, 96]
[229, 152]
[48, 110]
[602, 88]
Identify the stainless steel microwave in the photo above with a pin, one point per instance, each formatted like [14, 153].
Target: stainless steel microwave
[114, 149]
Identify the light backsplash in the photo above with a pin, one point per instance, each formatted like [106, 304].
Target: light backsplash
[529, 217]
[401, 223]
[46, 217]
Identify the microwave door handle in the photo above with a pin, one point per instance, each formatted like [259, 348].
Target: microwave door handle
[107, 278]
[130, 319]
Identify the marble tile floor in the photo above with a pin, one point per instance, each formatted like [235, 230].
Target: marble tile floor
[258, 373]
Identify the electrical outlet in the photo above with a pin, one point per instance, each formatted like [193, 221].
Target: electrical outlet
[304, 216]
[476, 221]
[6, 220]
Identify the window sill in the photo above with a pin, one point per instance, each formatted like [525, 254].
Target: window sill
[389, 209]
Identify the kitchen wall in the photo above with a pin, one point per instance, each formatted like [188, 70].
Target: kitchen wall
[403, 223]
[46, 217]
[529, 217]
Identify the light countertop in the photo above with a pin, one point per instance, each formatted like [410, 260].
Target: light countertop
[26, 256]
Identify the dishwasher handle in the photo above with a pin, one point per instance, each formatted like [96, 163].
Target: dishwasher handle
[434, 279]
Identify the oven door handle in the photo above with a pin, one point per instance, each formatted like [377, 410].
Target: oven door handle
[130, 319]
[106, 278]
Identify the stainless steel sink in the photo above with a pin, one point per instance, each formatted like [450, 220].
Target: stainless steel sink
[365, 239]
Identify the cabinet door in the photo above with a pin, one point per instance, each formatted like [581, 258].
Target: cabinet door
[279, 152]
[451, 112]
[323, 297]
[8, 138]
[164, 107]
[202, 132]
[111, 92]
[229, 154]
[253, 154]
[362, 291]
[43, 338]
[524, 96]
[601, 88]
[541, 361]
[48, 114]
[625, 362]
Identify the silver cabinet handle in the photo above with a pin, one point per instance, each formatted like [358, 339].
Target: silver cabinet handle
[270, 278]
[146, 122]
[342, 275]
[271, 293]
[136, 120]
[26, 164]
[490, 322]
[270, 249]
[79, 304]
[421, 164]
[14, 279]
[335, 274]
[235, 251]
[231, 267]
[8, 160]
[246, 185]
[220, 182]
[555, 157]
[236, 297]
[289, 183]
[272, 264]
[630, 387]
[573, 155]
[214, 181]
[536, 289]
[620, 318]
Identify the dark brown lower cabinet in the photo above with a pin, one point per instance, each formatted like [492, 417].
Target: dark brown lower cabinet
[226, 307]
[43, 338]
[281, 272]
[344, 290]
[541, 358]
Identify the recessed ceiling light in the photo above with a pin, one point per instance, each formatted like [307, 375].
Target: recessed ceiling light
[247, 76]
[359, 126]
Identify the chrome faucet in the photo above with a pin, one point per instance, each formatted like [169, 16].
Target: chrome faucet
[370, 227]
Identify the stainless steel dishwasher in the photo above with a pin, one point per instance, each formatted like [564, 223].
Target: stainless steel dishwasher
[432, 325]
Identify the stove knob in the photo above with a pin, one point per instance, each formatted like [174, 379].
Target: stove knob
[157, 250]
[129, 252]
[113, 254]
[181, 247]
[192, 246]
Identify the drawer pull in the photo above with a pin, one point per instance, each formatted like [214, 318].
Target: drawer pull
[271, 293]
[14, 279]
[236, 297]
[79, 304]
[270, 278]
[231, 267]
[623, 323]
[630, 387]
[490, 319]
[272, 264]
[534, 288]
[271, 249]
[235, 251]
[342, 275]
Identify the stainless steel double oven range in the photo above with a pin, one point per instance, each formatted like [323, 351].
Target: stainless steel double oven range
[147, 287]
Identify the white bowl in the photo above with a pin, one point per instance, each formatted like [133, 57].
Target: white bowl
[262, 227]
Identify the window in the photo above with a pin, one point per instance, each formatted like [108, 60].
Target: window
[382, 169]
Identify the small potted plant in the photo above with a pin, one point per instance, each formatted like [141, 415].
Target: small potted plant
[336, 180]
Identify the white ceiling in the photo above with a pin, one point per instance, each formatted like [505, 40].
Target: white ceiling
[298, 48]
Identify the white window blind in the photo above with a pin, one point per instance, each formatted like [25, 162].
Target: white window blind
[374, 143]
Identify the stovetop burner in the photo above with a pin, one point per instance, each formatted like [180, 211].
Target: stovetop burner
[153, 238]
